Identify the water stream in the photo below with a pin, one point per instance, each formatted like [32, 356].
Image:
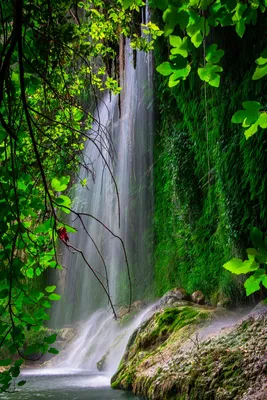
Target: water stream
[67, 385]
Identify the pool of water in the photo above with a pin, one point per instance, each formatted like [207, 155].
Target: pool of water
[65, 385]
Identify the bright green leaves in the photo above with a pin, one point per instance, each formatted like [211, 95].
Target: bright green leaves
[30, 273]
[174, 16]
[52, 350]
[50, 289]
[213, 55]
[177, 69]
[170, 19]
[52, 296]
[51, 339]
[63, 202]
[180, 46]
[165, 69]
[238, 267]
[238, 19]
[210, 72]
[251, 118]
[197, 28]
[256, 257]
[60, 184]
[160, 4]
[261, 69]
[249, 115]
[252, 284]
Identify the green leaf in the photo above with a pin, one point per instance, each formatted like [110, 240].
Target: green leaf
[248, 115]
[170, 15]
[179, 62]
[21, 383]
[252, 252]
[60, 184]
[50, 289]
[240, 27]
[196, 28]
[238, 267]
[30, 273]
[262, 121]
[161, 4]
[213, 55]
[70, 228]
[63, 202]
[165, 68]
[183, 19]
[210, 74]
[261, 69]
[3, 136]
[181, 46]
[5, 362]
[264, 281]
[251, 105]
[54, 297]
[51, 339]
[251, 130]
[52, 350]
[252, 284]
[179, 74]
[127, 4]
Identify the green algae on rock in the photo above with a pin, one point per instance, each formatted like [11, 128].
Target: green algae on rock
[159, 336]
[165, 359]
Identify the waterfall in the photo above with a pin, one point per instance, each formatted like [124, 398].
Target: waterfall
[125, 137]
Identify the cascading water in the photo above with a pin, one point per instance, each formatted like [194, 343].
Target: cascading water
[126, 142]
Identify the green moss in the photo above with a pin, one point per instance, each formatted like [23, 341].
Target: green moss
[174, 319]
[210, 187]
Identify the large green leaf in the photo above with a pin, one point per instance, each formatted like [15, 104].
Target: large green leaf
[210, 74]
[181, 46]
[60, 184]
[50, 289]
[165, 69]
[238, 267]
[213, 55]
[252, 284]
[54, 297]
[261, 69]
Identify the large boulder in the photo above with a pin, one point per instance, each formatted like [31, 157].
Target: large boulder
[169, 357]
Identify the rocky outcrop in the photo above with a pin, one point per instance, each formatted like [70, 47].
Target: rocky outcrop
[173, 356]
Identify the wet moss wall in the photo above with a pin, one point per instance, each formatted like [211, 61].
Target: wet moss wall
[210, 182]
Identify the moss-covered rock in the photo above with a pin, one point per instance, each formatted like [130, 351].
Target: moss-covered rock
[167, 359]
[156, 339]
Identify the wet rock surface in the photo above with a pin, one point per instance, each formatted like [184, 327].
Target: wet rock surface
[198, 297]
[166, 358]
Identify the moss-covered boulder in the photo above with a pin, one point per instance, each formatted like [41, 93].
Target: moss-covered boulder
[170, 356]
[154, 341]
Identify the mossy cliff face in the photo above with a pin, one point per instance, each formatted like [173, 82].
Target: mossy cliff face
[210, 182]
[166, 360]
